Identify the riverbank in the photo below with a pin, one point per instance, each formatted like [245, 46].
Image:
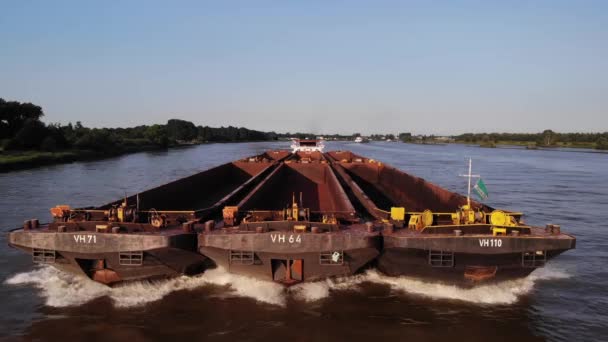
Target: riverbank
[530, 144]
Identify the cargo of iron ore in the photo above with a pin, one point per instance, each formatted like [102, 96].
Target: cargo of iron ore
[296, 225]
[431, 233]
[148, 235]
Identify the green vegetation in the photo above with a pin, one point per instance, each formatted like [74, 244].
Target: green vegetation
[382, 137]
[602, 143]
[405, 137]
[488, 144]
[26, 141]
[547, 138]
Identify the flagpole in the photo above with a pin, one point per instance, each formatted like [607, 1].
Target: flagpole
[469, 176]
[469, 189]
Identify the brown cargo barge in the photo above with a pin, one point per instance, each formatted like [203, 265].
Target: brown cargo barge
[148, 235]
[444, 236]
[296, 225]
[290, 217]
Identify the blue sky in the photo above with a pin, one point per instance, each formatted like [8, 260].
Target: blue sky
[440, 67]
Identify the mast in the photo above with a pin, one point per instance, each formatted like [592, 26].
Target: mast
[469, 188]
[469, 176]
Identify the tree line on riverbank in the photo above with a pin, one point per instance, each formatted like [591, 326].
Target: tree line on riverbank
[547, 138]
[26, 141]
[21, 129]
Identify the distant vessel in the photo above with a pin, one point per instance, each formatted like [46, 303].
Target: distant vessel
[358, 140]
[307, 145]
[290, 217]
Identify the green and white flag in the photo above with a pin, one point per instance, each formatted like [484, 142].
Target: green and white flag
[481, 190]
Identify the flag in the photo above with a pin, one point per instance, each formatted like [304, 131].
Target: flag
[481, 190]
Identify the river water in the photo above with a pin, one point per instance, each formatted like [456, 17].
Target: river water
[565, 301]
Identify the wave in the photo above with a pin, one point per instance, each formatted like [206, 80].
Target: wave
[507, 292]
[61, 289]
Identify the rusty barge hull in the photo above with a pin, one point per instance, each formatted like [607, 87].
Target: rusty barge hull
[153, 238]
[446, 251]
[288, 257]
[461, 269]
[321, 239]
[470, 258]
[113, 258]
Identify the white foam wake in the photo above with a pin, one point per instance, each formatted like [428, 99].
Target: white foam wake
[314, 291]
[62, 289]
[506, 292]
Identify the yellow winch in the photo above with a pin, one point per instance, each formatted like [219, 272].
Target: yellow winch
[500, 218]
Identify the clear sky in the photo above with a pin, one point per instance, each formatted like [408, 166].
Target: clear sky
[440, 67]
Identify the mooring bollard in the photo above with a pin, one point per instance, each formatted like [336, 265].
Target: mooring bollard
[27, 225]
[556, 229]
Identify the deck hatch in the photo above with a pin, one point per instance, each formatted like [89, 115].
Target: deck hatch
[533, 259]
[43, 256]
[131, 258]
[441, 258]
[331, 258]
[242, 257]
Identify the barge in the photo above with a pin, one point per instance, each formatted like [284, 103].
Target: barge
[431, 233]
[148, 235]
[297, 225]
[294, 216]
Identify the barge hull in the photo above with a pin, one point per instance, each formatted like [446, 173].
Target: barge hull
[262, 255]
[304, 266]
[113, 258]
[416, 263]
[109, 247]
[448, 252]
[449, 258]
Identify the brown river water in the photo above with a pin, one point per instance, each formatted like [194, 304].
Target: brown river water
[565, 301]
